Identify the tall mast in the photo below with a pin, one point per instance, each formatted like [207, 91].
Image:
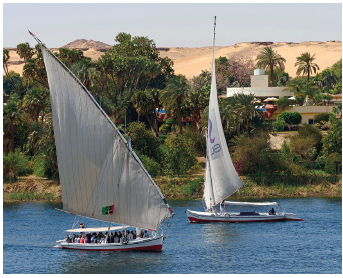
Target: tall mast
[213, 79]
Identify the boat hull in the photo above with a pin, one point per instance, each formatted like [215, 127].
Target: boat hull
[145, 244]
[230, 217]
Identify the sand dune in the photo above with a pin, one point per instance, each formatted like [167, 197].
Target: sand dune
[191, 61]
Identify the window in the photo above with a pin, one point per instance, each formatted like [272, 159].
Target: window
[310, 121]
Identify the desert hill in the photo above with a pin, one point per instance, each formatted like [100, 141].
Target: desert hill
[191, 61]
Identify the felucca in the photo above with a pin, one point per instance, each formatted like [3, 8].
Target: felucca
[101, 176]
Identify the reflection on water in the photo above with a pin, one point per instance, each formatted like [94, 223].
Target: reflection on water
[312, 246]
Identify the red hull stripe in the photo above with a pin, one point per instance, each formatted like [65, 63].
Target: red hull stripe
[146, 248]
[235, 221]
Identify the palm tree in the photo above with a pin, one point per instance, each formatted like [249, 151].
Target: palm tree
[305, 64]
[33, 102]
[25, 51]
[329, 79]
[5, 59]
[268, 59]
[246, 109]
[176, 90]
[12, 111]
[143, 103]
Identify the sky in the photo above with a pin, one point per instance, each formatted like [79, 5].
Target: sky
[172, 24]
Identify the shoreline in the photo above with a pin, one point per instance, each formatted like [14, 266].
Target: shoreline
[34, 189]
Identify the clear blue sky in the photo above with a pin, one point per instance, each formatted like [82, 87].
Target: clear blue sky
[172, 25]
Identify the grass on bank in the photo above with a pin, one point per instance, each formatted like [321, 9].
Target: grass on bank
[189, 187]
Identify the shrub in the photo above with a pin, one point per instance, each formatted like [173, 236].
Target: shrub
[143, 140]
[14, 165]
[279, 125]
[164, 128]
[334, 164]
[179, 154]
[283, 103]
[291, 118]
[322, 117]
[150, 165]
[332, 142]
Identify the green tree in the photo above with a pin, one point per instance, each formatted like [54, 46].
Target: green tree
[268, 59]
[25, 51]
[11, 112]
[176, 90]
[5, 59]
[143, 141]
[34, 102]
[143, 102]
[306, 65]
[245, 108]
[180, 154]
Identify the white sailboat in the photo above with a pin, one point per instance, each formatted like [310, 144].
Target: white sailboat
[101, 176]
[221, 178]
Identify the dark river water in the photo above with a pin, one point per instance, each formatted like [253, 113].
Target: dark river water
[311, 246]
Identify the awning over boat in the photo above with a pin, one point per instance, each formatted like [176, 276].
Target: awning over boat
[98, 229]
[231, 203]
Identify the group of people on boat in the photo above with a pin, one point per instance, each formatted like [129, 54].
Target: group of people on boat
[118, 237]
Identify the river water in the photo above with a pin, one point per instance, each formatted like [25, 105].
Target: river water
[311, 246]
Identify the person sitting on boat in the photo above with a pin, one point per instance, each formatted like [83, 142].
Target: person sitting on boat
[129, 236]
[82, 225]
[116, 238]
[222, 208]
[102, 239]
[82, 239]
[86, 239]
[68, 239]
[89, 237]
[146, 235]
[78, 239]
[120, 235]
[272, 211]
[141, 234]
[93, 238]
[133, 235]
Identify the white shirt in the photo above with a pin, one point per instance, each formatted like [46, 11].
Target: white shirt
[129, 237]
[146, 235]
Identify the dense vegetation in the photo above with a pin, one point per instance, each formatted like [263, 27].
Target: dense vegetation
[132, 83]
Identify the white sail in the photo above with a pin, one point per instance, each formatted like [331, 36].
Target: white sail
[208, 191]
[225, 180]
[98, 174]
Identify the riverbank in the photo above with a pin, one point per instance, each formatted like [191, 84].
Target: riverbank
[33, 188]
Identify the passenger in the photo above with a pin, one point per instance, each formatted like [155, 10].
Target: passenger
[89, 238]
[146, 235]
[69, 240]
[141, 234]
[272, 212]
[86, 239]
[74, 238]
[129, 236]
[116, 238]
[78, 239]
[82, 225]
[82, 239]
[93, 238]
[111, 238]
[119, 234]
[103, 239]
[138, 231]
[133, 235]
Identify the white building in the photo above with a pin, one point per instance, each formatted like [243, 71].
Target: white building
[259, 87]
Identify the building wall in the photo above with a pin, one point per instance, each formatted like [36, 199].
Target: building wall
[261, 91]
[307, 112]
